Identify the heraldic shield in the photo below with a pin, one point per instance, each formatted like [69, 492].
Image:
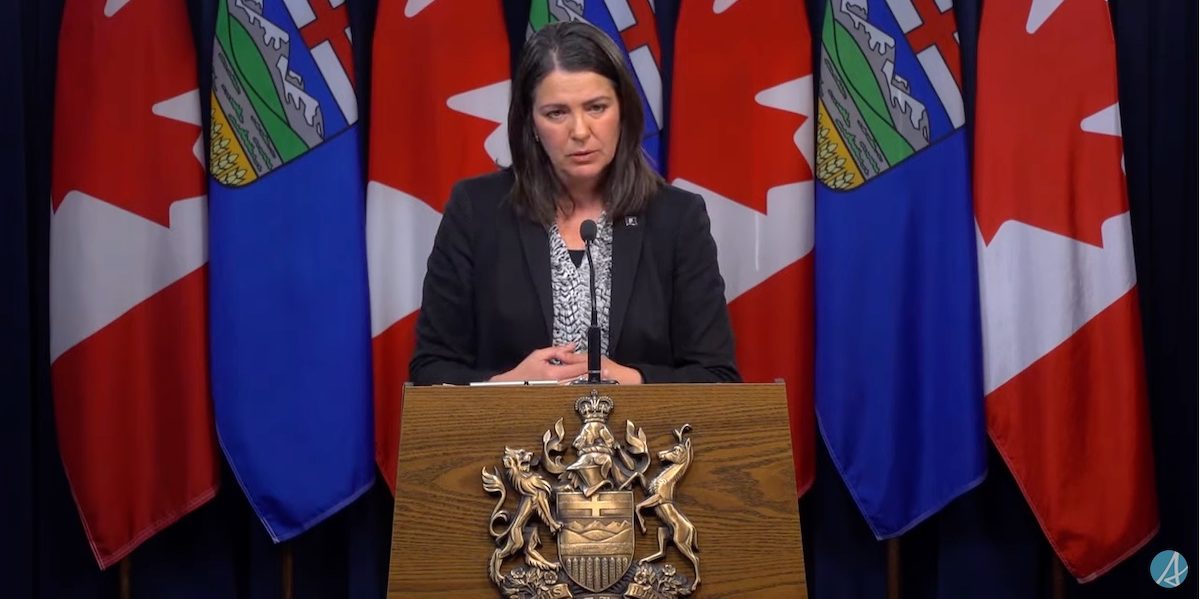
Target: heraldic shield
[595, 543]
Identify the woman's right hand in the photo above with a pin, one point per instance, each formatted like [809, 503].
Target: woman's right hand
[558, 363]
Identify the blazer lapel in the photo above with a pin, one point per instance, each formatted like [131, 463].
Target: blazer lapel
[536, 247]
[627, 250]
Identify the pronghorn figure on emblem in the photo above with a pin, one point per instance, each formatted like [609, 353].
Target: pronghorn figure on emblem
[676, 526]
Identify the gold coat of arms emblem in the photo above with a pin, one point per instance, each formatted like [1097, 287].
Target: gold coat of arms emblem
[592, 506]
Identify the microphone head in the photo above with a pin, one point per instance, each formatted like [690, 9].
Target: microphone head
[587, 230]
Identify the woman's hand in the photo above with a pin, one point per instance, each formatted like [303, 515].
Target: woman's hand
[622, 374]
[547, 364]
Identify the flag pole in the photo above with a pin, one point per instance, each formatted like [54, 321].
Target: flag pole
[1058, 580]
[893, 568]
[286, 569]
[123, 571]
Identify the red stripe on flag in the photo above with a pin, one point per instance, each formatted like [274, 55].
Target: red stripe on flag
[135, 424]
[1075, 431]
[772, 324]
[392, 349]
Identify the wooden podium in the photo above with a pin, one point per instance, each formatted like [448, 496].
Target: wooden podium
[739, 492]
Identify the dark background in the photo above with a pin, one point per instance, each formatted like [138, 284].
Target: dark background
[985, 544]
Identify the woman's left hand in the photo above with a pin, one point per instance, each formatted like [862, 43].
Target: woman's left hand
[622, 374]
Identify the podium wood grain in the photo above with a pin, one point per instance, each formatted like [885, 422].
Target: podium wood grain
[739, 491]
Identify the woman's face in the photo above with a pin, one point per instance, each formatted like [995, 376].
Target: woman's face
[578, 120]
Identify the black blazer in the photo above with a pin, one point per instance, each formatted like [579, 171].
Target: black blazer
[487, 299]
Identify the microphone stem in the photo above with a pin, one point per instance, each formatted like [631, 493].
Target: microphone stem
[594, 328]
[591, 279]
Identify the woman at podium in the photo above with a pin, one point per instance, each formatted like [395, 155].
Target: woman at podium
[508, 295]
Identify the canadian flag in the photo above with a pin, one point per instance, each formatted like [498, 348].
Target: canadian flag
[439, 114]
[742, 137]
[1066, 396]
[127, 277]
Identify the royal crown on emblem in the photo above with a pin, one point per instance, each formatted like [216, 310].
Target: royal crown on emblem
[594, 407]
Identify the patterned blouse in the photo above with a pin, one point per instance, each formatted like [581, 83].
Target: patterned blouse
[570, 291]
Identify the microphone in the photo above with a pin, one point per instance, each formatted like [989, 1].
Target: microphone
[587, 230]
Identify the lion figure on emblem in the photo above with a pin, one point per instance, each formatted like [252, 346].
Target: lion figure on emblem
[520, 534]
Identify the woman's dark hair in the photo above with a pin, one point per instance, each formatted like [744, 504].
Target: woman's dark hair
[629, 181]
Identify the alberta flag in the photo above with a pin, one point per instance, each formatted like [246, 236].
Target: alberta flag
[631, 24]
[290, 330]
[899, 388]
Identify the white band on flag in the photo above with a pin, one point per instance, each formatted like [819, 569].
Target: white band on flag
[944, 84]
[651, 80]
[906, 14]
[622, 15]
[301, 11]
[339, 82]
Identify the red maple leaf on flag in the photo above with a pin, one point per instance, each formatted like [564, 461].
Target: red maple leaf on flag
[422, 146]
[729, 154]
[113, 129]
[1079, 181]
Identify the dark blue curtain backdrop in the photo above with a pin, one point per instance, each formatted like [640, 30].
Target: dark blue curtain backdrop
[985, 544]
